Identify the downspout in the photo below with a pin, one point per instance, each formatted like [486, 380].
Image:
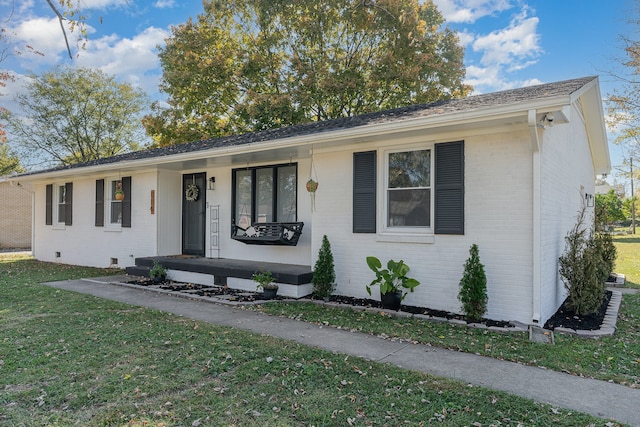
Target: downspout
[536, 226]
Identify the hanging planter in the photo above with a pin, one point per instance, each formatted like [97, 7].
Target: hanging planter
[312, 186]
[118, 194]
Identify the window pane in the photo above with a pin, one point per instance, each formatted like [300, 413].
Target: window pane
[116, 212]
[264, 189]
[243, 198]
[287, 193]
[62, 210]
[409, 208]
[410, 169]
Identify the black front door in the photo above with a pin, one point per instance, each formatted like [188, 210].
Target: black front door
[193, 213]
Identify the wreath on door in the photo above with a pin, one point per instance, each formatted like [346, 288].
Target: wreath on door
[191, 193]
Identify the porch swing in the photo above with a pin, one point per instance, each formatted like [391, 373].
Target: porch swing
[267, 233]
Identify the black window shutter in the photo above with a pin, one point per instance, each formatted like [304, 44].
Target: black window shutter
[126, 203]
[99, 202]
[364, 192]
[449, 188]
[49, 205]
[68, 203]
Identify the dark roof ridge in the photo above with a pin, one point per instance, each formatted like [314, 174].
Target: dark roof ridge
[469, 103]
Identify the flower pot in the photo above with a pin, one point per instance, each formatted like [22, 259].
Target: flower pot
[391, 300]
[159, 279]
[269, 293]
[119, 196]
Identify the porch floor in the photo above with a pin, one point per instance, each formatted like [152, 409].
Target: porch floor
[292, 274]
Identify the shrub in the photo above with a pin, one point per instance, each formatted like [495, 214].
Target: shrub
[265, 280]
[158, 271]
[324, 275]
[473, 287]
[585, 264]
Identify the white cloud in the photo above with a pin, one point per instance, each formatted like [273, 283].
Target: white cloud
[469, 11]
[518, 42]
[103, 4]
[42, 35]
[131, 60]
[164, 4]
[490, 79]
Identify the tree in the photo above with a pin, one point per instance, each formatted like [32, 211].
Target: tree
[585, 264]
[608, 209]
[9, 162]
[624, 103]
[77, 115]
[473, 287]
[260, 64]
[324, 274]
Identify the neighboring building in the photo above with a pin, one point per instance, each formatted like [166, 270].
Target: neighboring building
[15, 215]
[508, 171]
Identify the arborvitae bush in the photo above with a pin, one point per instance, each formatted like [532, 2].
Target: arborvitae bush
[473, 287]
[324, 275]
[587, 261]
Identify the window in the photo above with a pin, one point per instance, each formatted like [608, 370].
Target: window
[265, 194]
[58, 204]
[413, 180]
[62, 204]
[116, 203]
[408, 189]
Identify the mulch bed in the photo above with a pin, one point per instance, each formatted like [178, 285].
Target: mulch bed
[565, 317]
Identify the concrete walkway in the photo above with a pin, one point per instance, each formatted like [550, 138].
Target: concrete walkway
[598, 398]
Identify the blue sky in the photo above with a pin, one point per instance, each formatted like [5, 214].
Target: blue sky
[509, 43]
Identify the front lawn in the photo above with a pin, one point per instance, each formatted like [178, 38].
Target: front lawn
[615, 358]
[73, 359]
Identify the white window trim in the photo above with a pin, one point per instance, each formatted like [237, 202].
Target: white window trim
[108, 225]
[403, 234]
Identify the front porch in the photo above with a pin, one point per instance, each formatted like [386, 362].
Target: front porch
[293, 280]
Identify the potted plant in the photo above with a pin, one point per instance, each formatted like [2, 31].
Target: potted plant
[158, 272]
[393, 281]
[266, 283]
[324, 275]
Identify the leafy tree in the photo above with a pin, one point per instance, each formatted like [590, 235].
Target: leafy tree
[259, 64]
[473, 287]
[608, 209]
[77, 115]
[9, 162]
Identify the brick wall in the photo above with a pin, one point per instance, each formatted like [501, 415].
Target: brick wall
[15, 216]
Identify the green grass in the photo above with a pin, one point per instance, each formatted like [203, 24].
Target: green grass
[615, 358]
[73, 359]
[628, 260]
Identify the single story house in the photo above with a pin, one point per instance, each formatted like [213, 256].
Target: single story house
[508, 171]
[15, 215]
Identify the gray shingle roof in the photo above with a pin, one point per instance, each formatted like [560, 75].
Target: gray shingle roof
[471, 103]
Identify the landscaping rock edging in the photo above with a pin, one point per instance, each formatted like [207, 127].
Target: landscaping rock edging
[608, 326]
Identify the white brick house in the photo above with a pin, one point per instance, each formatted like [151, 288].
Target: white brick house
[507, 171]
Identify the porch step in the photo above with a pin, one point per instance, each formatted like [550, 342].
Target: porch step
[138, 270]
[292, 274]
